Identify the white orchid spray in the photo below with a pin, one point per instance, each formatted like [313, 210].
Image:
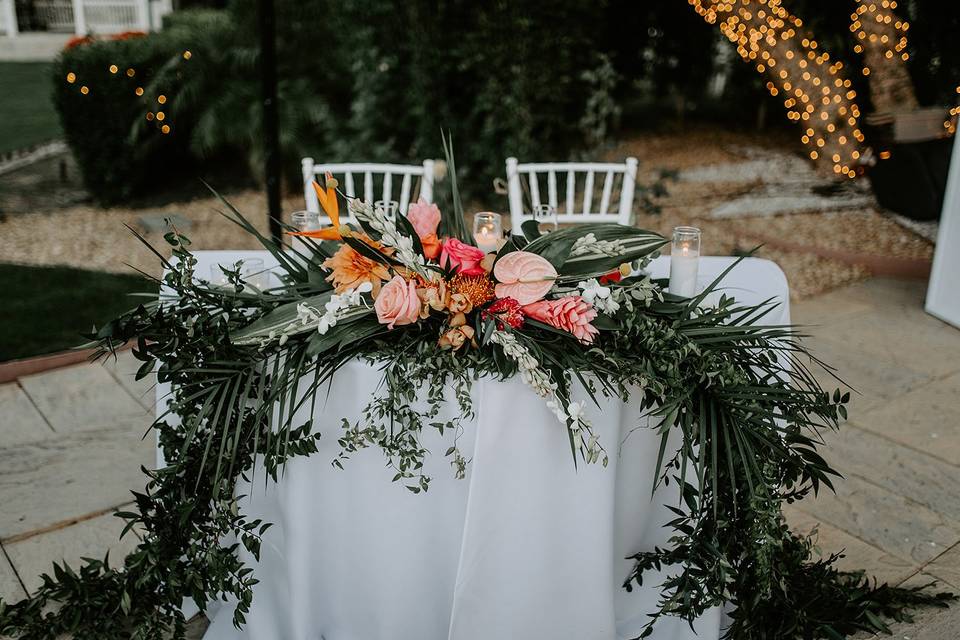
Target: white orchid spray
[337, 307]
[570, 414]
[601, 297]
[380, 222]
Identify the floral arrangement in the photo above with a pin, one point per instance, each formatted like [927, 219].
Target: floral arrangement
[398, 271]
[412, 293]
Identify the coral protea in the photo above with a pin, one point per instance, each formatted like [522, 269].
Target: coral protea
[476, 290]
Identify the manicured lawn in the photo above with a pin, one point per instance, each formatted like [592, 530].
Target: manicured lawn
[44, 309]
[28, 116]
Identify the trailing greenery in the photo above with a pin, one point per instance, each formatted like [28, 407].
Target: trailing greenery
[244, 363]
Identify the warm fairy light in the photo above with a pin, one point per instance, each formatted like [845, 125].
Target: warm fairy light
[84, 89]
[187, 55]
[872, 22]
[950, 124]
[161, 115]
[138, 91]
[885, 155]
[131, 73]
[150, 115]
[114, 68]
[813, 87]
[71, 77]
[162, 99]
[165, 128]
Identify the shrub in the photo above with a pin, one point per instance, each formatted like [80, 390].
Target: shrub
[100, 96]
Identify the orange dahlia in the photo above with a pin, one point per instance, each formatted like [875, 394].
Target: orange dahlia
[349, 268]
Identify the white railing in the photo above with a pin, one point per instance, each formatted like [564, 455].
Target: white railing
[115, 16]
[83, 17]
[56, 15]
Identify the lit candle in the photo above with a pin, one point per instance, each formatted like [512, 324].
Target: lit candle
[684, 261]
[487, 231]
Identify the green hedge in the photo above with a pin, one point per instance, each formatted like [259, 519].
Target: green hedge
[118, 151]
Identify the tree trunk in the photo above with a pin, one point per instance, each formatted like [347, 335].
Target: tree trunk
[814, 90]
[882, 39]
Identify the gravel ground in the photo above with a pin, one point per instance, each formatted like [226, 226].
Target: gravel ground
[94, 238]
[86, 236]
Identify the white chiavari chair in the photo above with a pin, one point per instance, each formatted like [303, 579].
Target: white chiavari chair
[587, 199]
[370, 182]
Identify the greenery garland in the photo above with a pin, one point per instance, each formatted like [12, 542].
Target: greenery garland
[747, 408]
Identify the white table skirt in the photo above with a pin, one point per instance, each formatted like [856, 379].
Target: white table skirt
[525, 547]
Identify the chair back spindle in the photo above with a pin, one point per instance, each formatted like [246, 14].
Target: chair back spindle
[581, 181]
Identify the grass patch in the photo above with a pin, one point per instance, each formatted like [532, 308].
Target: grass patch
[46, 308]
[26, 102]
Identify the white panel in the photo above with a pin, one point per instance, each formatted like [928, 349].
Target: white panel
[943, 294]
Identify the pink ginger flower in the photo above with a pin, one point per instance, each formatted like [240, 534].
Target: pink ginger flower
[571, 313]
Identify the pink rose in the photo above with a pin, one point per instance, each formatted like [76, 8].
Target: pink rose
[572, 314]
[526, 277]
[424, 217]
[397, 303]
[461, 257]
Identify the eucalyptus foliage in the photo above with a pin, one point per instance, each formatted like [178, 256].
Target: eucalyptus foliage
[738, 395]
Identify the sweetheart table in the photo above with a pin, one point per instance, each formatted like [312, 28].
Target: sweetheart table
[526, 546]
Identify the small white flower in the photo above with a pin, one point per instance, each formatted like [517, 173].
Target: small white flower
[364, 287]
[324, 325]
[575, 411]
[601, 297]
[592, 289]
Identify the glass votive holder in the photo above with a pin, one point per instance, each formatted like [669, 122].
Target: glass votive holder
[387, 207]
[304, 221]
[546, 217]
[487, 230]
[684, 261]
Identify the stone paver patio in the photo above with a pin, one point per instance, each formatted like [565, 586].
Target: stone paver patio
[71, 446]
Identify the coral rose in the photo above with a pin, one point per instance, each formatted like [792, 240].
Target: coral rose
[456, 337]
[397, 303]
[526, 277]
[431, 246]
[424, 217]
[458, 334]
[572, 314]
[461, 257]
[433, 295]
[460, 303]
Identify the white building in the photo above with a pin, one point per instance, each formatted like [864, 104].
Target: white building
[38, 29]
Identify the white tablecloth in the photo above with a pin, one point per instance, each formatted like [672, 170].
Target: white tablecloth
[525, 547]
